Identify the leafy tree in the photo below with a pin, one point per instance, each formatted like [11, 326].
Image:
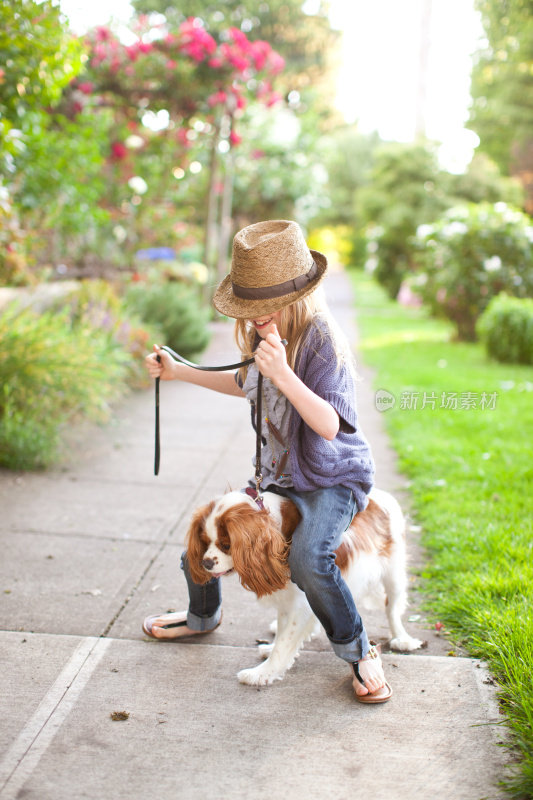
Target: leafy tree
[502, 88]
[38, 59]
[348, 157]
[404, 191]
[482, 181]
[274, 175]
[60, 183]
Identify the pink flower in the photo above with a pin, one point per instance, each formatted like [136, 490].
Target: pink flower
[86, 87]
[195, 41]
[260, 51]
[234, 57]
[275, 63]
[171, 64]
[234, 138]
[240, 38]
[182, 137]
[274, 98]
[145, 47]
[218, 98]
[215, 62]
[118, 151]
[257, 154]
[132, 51]
[102, 34]
[100, 52]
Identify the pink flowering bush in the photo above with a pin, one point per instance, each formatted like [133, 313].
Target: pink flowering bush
[184, 71]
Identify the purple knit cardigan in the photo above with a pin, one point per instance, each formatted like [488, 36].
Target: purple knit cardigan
[315, 461]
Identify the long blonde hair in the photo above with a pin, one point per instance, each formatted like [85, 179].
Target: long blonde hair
[294, 324]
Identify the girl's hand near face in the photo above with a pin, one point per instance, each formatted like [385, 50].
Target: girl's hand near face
[271, 358]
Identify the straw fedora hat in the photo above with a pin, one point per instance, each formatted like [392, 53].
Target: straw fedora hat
[271, 267]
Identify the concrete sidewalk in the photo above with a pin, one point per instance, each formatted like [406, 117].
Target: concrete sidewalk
[91, 548]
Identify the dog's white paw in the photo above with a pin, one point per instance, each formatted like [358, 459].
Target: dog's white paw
[265, 649]
[314, 633]
[258, 676]
[406, 645]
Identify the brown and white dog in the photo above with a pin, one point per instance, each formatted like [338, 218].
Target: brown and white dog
[233, 534]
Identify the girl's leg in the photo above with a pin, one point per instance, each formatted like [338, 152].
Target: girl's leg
[205, 601]
[204, 612]
[326, 513]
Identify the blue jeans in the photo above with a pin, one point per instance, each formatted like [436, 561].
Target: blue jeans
[326, 513]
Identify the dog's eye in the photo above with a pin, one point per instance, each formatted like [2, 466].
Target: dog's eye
[224, 545]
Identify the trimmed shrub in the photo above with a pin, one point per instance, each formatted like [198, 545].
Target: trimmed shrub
[469, 256]
[51, 373]
[506, 327]
[176, 310]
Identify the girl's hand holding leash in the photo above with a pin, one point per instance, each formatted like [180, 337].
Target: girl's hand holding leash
[161, 365]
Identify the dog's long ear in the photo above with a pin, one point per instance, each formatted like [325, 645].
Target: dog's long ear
[258, 549]
[197, 544]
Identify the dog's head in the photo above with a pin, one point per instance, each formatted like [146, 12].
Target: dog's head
[233, 533]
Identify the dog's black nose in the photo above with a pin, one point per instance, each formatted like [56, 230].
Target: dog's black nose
[208, 563]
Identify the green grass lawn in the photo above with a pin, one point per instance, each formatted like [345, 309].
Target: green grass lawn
[463, 428]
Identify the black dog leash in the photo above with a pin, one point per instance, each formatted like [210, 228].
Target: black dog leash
[224, 368]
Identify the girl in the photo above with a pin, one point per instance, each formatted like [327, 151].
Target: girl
[315, 453]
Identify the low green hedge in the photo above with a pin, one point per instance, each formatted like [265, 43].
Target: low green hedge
[52, 372]
[506, 327]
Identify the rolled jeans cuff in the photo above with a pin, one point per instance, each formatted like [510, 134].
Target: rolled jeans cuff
[353, 651]
[196, 623]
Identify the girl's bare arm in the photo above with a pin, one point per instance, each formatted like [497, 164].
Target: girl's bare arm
[169, 369]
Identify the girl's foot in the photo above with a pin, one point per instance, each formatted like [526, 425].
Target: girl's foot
[170, 626]
[369, 681]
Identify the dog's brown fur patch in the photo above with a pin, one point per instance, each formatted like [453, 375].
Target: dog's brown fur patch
[290, 517]
[369, 533]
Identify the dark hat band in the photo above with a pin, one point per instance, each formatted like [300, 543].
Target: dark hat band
[278, 290]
